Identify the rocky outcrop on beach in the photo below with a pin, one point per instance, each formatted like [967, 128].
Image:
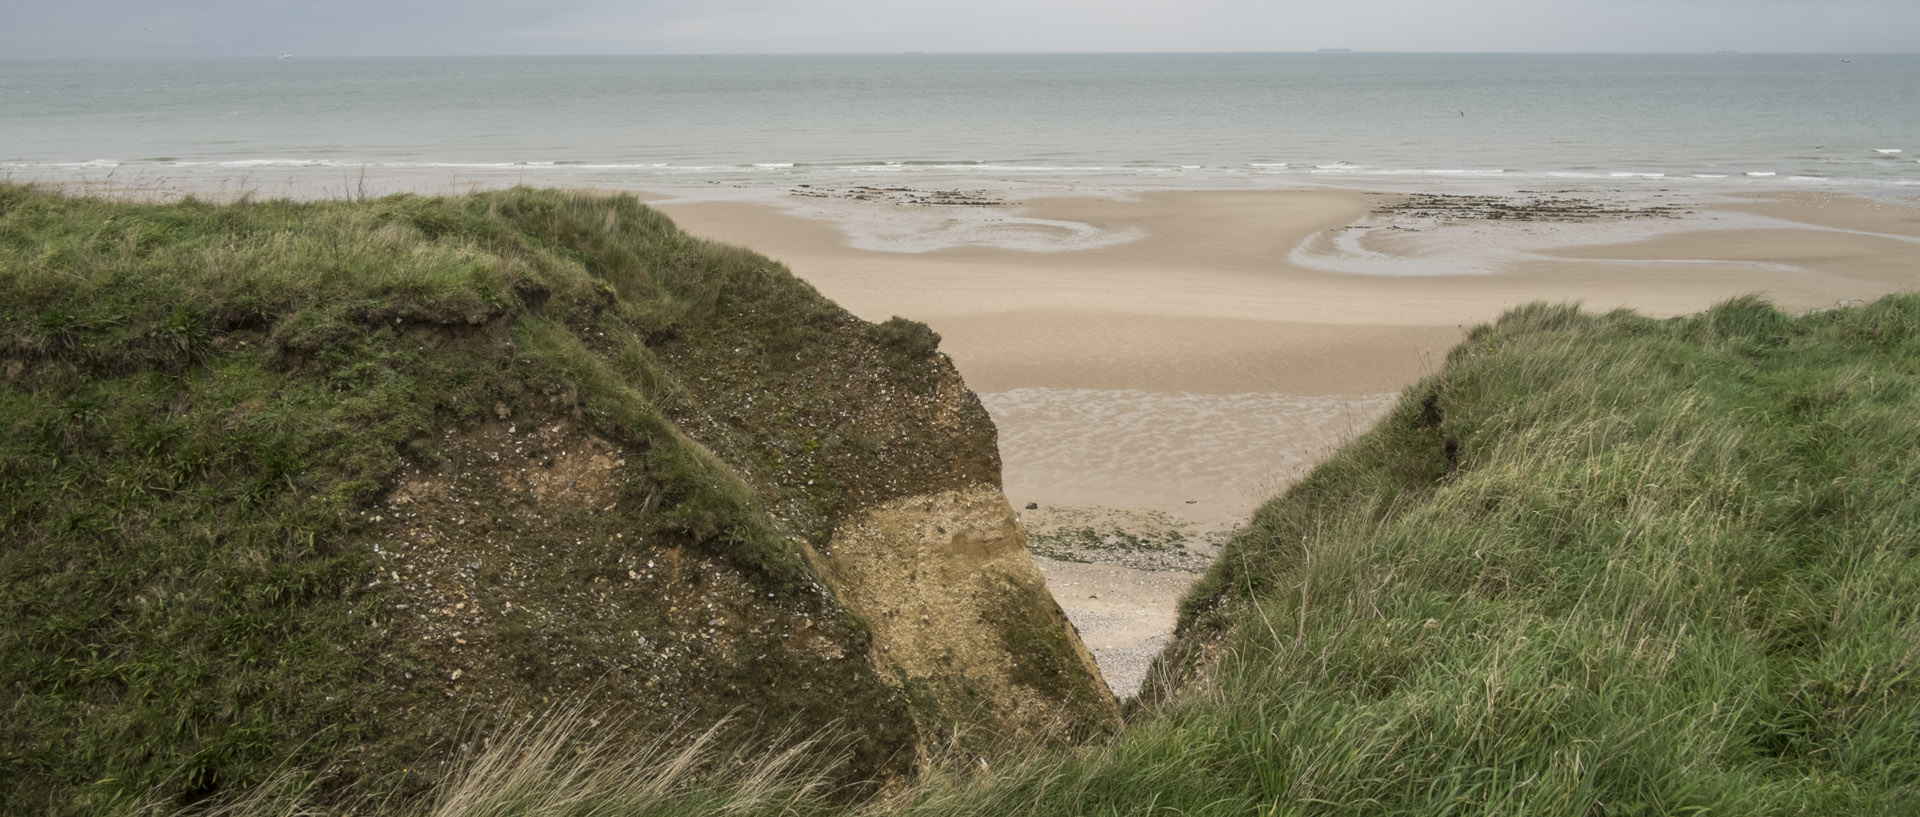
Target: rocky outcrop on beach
[1561, 206]
[900, 196]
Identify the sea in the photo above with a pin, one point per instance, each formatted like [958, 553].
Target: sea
[1709, 121]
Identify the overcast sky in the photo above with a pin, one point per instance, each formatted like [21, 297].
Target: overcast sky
[240, 28]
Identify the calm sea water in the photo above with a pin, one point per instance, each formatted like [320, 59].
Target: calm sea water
[1197, 120]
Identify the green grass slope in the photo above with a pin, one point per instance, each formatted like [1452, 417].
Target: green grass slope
[1595, 565]
[327, 490]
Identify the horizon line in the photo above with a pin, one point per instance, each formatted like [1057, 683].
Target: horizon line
[1335, 51]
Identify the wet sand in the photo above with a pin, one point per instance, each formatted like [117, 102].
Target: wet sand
[1193, 352]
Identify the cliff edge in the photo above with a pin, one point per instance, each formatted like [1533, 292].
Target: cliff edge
[348, 487]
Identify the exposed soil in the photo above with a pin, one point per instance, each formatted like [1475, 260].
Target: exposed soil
[523, 570]
[962, 620]
[865, 444]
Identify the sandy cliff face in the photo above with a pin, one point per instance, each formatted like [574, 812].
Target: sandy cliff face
[962, 620]
[877, 457]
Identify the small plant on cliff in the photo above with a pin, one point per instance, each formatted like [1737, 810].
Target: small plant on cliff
[910, 339]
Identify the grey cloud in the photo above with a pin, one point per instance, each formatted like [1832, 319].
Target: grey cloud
[96, 28]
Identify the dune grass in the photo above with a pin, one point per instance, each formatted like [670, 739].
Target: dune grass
[1595, 565]
[565, 764]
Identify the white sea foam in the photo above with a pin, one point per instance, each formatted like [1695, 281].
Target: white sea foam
[972, 167]
[563, 165]
[1630, 174]
[1761, 173]
[1010, 168]
[1888, 151]
[285, 163]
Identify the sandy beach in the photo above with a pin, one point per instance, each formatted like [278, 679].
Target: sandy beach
[1199, 361]
[1190, 353]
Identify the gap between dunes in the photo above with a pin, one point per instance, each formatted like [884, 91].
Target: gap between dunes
[1159, 363]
